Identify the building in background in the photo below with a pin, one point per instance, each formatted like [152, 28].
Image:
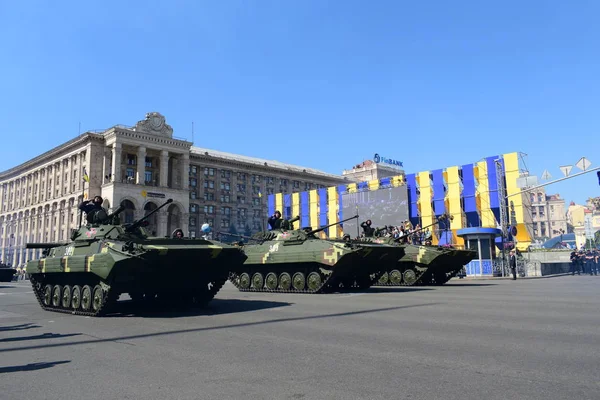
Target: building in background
[369, 170]
[141, 166]
[548, 215]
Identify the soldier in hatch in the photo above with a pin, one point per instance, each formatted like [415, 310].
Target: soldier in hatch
[367, 228]
[91, 207]
[275, 220]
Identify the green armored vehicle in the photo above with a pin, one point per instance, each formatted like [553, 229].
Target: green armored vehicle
[449, 264]
[6, 273]
[105, 258]
[289, 260]
[422, 264]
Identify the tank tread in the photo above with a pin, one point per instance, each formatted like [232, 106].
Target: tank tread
[108, 299]
[419, 272]
[325, 286]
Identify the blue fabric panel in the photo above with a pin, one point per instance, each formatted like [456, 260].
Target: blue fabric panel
[287, 206]
[493, 181]
[385, 181]
[271, 204]
[362, 186]
[323, 208]
[469, 200]
[439, 192]
[413, 197]
[304, 209]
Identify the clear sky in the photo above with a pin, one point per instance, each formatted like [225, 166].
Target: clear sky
[323, 84]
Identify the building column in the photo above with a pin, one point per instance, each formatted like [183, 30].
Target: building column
[116, 162]
[161, 222]
[185, 171]
[164, 168]
[4, 248]
[141, 166]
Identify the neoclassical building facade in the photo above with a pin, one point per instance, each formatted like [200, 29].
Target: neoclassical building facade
[141, 166]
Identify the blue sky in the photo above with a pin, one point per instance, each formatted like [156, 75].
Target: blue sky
[318, 83]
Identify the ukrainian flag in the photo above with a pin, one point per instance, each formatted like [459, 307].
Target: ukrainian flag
[86, 178]
[259, 194]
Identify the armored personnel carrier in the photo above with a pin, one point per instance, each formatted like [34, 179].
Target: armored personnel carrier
[6, 273]
[289, 260]
[106, 258]
[447, 266]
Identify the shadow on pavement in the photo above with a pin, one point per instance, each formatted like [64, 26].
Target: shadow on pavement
[18, 327]
[393, 289]
[38, 337]
[218, 327]
[7, 287]
[32, 366]
[131, 308]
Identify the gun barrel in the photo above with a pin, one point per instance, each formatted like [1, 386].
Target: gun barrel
[44, 245]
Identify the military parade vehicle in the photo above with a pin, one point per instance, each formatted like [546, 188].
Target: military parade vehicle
[6, 273]
[106, 258]
[289, 260]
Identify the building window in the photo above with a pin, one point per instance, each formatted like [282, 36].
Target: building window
[241, 212]
[209, 171]
[193, 182]
[193, 207]
[131, 159]
[210, 221]
[256, 213]
[148, 176]
[225, 210]
[256, 178]
[225, 174]
[270, 191]
[193, 169]
[224, 223]
[241, 176]
[225, 198]
[209, 196]
[270, 180]
[209, 184]
[193, 195]
[209, 209]
[148, 162]
[225, 186]
[130, 172]
[241, 188]
[256, 201]
[192, 221]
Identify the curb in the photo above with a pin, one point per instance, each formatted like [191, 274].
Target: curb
[494, 278]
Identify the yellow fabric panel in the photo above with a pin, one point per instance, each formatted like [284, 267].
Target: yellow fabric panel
[296, 206]
[425, 198]
[313, 208]
[488, 219]
[279, 203]
[398, 181]
[511, 168]
[351, 188]
[453, 202]
[374, 184]
[332, 212]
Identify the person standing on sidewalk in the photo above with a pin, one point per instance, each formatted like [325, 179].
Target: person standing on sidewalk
[512, 264]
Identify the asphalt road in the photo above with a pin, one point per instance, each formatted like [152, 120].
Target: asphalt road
[529, 339]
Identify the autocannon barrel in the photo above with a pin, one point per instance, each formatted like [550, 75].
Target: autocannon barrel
[43, 245]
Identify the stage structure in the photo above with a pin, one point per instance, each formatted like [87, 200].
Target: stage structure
[469, 193]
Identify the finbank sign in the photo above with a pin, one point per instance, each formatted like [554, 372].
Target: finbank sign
[383, 160]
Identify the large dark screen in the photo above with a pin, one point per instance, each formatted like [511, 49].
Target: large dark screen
[387, 206]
